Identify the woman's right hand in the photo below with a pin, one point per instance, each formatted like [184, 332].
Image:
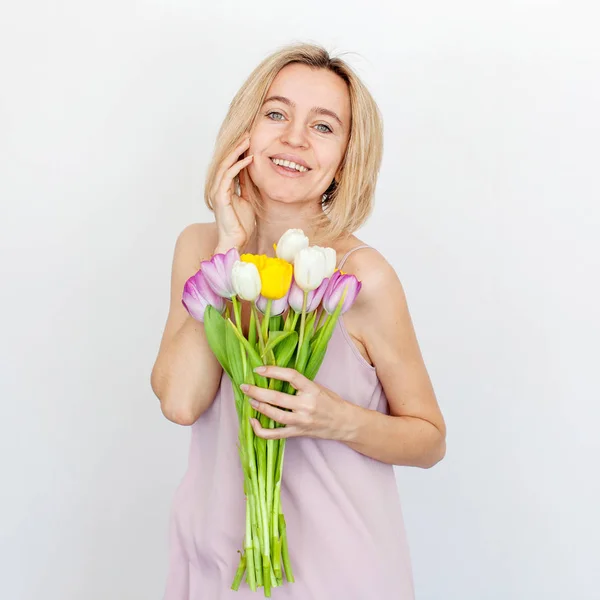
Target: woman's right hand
[234, 214]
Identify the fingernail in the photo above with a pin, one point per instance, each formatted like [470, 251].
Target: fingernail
[244, 387]
[260, 369]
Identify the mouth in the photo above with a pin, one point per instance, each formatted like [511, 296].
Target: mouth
[289, 168]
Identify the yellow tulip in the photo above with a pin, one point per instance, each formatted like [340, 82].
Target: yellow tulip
[275, 274]
[256, 259]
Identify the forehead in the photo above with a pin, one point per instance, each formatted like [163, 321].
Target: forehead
[309, 87]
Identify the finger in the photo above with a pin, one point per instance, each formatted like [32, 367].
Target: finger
[282, 417]
[233, 156]
[273, 434]
[272, 397]
[227, 180]
[300, 383]
[245, 189]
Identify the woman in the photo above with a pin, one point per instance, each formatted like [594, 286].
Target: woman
[372, 404]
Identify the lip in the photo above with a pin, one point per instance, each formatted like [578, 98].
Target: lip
[291, 158]
[285, 172]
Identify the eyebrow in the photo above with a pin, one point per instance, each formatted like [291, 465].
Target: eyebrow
[315, 109]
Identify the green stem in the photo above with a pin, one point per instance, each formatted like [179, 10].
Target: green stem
[256, 541]
[302, 325]
[252, 327]
[265, 321]
[318, 323]
[252, 466]
[235, 586]
[287, 565]
[237, 311]
[238, 319]
[261, 341]
[276, 540]
[249, 548]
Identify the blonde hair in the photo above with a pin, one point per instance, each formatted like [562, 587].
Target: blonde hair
[348, 202]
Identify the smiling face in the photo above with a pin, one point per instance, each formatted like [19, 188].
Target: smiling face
[304, 120]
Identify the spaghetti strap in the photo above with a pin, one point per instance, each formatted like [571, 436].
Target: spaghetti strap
[345, 257]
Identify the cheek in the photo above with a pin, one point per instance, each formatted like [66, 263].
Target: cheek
[259, 139]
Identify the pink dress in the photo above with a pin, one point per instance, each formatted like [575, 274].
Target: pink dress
[345, 528]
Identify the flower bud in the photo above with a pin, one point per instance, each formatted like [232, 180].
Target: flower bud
[278, 307]
[217, 272]
[197, 295]
[246, 280]
[290, 243]
[330, 260]
[335, 290]
[310, 267]
[313, 299]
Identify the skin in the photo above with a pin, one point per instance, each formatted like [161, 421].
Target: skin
[379, 323]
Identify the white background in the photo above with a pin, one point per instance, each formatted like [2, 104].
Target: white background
[487, 206]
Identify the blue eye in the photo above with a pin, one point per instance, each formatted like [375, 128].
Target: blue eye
[274, 112]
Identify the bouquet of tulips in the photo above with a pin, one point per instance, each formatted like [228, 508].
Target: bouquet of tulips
[295, 301]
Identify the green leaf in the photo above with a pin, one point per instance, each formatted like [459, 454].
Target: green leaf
[285, 349]
[284, 353]
[234, 356]
[314, 362]
[215, 327]
[254, 359]
[275, 338]
[252, 328]
[304, 350]
[276, 323]
[319, 349]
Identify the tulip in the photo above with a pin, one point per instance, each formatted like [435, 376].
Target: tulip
[290, 243]
[275, 275]
[310, 268]
[337, 284]
[256, 259]
[217, 271]
[246, 280]
[330, 260]
[278, 307]
[197, 295]
[313, 298]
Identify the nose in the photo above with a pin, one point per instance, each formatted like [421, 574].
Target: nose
[295, 134]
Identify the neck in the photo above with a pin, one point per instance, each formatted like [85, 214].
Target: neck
[276, 219]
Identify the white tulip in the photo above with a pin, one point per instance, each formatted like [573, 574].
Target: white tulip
[245, 279]
[290, 243]
[331, 260]
[310, 268]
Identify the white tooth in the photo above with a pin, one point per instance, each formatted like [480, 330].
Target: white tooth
[289, 164]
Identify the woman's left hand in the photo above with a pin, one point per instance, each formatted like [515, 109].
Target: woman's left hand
[315, 410]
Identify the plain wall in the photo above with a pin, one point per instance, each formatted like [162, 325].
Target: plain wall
[487, 206]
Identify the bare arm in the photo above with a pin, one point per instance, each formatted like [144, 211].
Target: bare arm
[186, 375]
[414, 433]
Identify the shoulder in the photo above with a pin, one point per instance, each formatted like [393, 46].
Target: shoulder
[197, 234]
[381, 302]
[375, 273]
[197, 241]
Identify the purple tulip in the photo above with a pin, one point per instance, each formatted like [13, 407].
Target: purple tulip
[313, 298]
[337, 284]
[278, 307]
[197, 295]
[217, 272]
